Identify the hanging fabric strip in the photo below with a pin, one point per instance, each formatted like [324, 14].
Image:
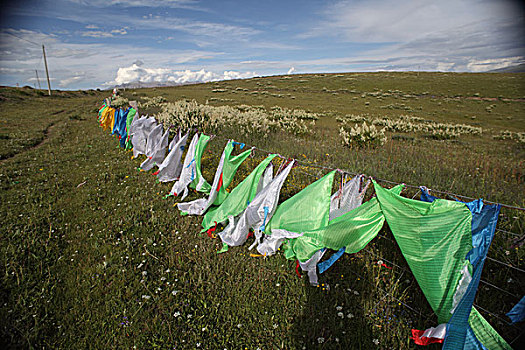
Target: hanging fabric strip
[517, 314]
[180, 187]
[253, 216]
[325, 265]
[224, 174]
[241, 195]
[198, 182]
[306, 210]
[349, 197]
[131, 117]
[171, 168]
[353, 230]
[157, 153]
[484, 221]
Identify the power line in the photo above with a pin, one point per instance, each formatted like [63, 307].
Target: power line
[505, 264]
[16, 36]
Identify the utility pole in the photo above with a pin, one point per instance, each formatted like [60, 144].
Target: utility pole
[47, 72]
[37, 79]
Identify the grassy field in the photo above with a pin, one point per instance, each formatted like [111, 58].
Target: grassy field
[93, 257]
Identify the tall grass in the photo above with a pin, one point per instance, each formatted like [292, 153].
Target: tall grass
[93, 257]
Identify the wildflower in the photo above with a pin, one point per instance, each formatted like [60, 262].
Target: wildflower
[239, 326]
[144, 273]
[168, 271]
[277, 284]
[375, 341]
[275, 325]
[380, 262]
[339, 308]
[176, 314]
[340, 314]
[350, 315]
[198, 345]
[174, 292]
[356, 292]
[320, 340]
[189, 316]
[507, 252]
[147, 297]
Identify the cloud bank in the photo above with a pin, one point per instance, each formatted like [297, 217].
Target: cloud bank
[137, 73]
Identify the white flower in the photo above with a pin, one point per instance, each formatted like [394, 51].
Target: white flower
[167, 271]
[239, 325]
[356, 292]
[375, 341]
[340, 314]
[277, 284]
[275, 325]
[198, 345]
[320, 340]
[174, 292]
[339, 308]
[380, 262]
[146, 297]
[350, 315]
[144, 273]
[176, 314]
[189, 316]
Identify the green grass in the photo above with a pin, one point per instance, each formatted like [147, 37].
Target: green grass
[87, 240]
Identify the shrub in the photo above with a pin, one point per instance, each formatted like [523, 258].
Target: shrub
[363, 136]
[510, 135]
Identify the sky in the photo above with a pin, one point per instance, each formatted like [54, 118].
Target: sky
[103, 43]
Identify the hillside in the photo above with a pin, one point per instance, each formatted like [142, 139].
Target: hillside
[94, 257]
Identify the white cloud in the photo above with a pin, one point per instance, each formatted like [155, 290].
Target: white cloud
[68, 81]
[399, 21]
[121, 31]
[138, 3]
[491, 64]
[103, 34]
[136, 73]
[97, 34]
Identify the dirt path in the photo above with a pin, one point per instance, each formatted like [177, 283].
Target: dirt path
[48, 131]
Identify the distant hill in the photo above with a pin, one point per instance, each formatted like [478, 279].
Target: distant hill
[520, 68]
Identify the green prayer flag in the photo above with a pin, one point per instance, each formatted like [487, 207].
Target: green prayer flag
[239, 197]
[199, 183]
[307, 210]
[229, 168]
[353, 230]
[434, 239]
[129, 120]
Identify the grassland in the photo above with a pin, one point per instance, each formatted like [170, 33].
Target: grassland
[93, 257]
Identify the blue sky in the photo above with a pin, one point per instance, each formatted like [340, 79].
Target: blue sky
[101, 43]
